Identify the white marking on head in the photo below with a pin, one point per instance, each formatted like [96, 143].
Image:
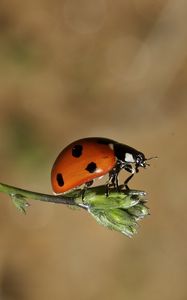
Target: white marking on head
[129, 158]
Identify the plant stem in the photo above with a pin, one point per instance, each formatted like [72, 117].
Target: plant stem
[120, 210]
[11, 190]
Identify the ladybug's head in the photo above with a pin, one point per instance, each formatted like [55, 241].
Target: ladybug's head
[141, 161]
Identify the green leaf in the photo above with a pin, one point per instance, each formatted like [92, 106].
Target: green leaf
[20, 202]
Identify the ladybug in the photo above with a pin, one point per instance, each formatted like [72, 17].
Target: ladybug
[89, 158]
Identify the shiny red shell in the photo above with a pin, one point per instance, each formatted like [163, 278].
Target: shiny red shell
[81, 162]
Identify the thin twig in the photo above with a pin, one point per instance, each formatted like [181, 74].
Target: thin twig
[120, 210]
[11, 190]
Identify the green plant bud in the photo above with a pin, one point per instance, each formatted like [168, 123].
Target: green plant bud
[139, 211]
[116, 219]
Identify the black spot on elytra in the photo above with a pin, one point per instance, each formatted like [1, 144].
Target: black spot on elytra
[60, 179]
[91, 167]
[77, 151]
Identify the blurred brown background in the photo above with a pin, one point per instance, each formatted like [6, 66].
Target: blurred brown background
[78, 68]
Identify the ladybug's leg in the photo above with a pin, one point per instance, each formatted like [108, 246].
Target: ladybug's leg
[119, 166]
[86, 186]
[132, 170]
[115, 181]
[127, 180]
[112, 181]
[109, 182]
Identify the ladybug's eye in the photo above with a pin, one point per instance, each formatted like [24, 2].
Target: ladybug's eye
[140, 160]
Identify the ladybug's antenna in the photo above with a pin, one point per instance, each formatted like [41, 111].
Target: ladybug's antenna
[147, 164]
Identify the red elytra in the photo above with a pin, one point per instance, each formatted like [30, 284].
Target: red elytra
[81, 162]
[86, 159]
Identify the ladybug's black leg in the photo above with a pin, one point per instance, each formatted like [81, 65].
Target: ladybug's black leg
[127, 180]
[119, 166]
[86, 186]
[113, 180]
[132, 170]
[108, 184]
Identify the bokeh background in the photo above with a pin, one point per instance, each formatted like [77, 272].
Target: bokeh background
[78, 68]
